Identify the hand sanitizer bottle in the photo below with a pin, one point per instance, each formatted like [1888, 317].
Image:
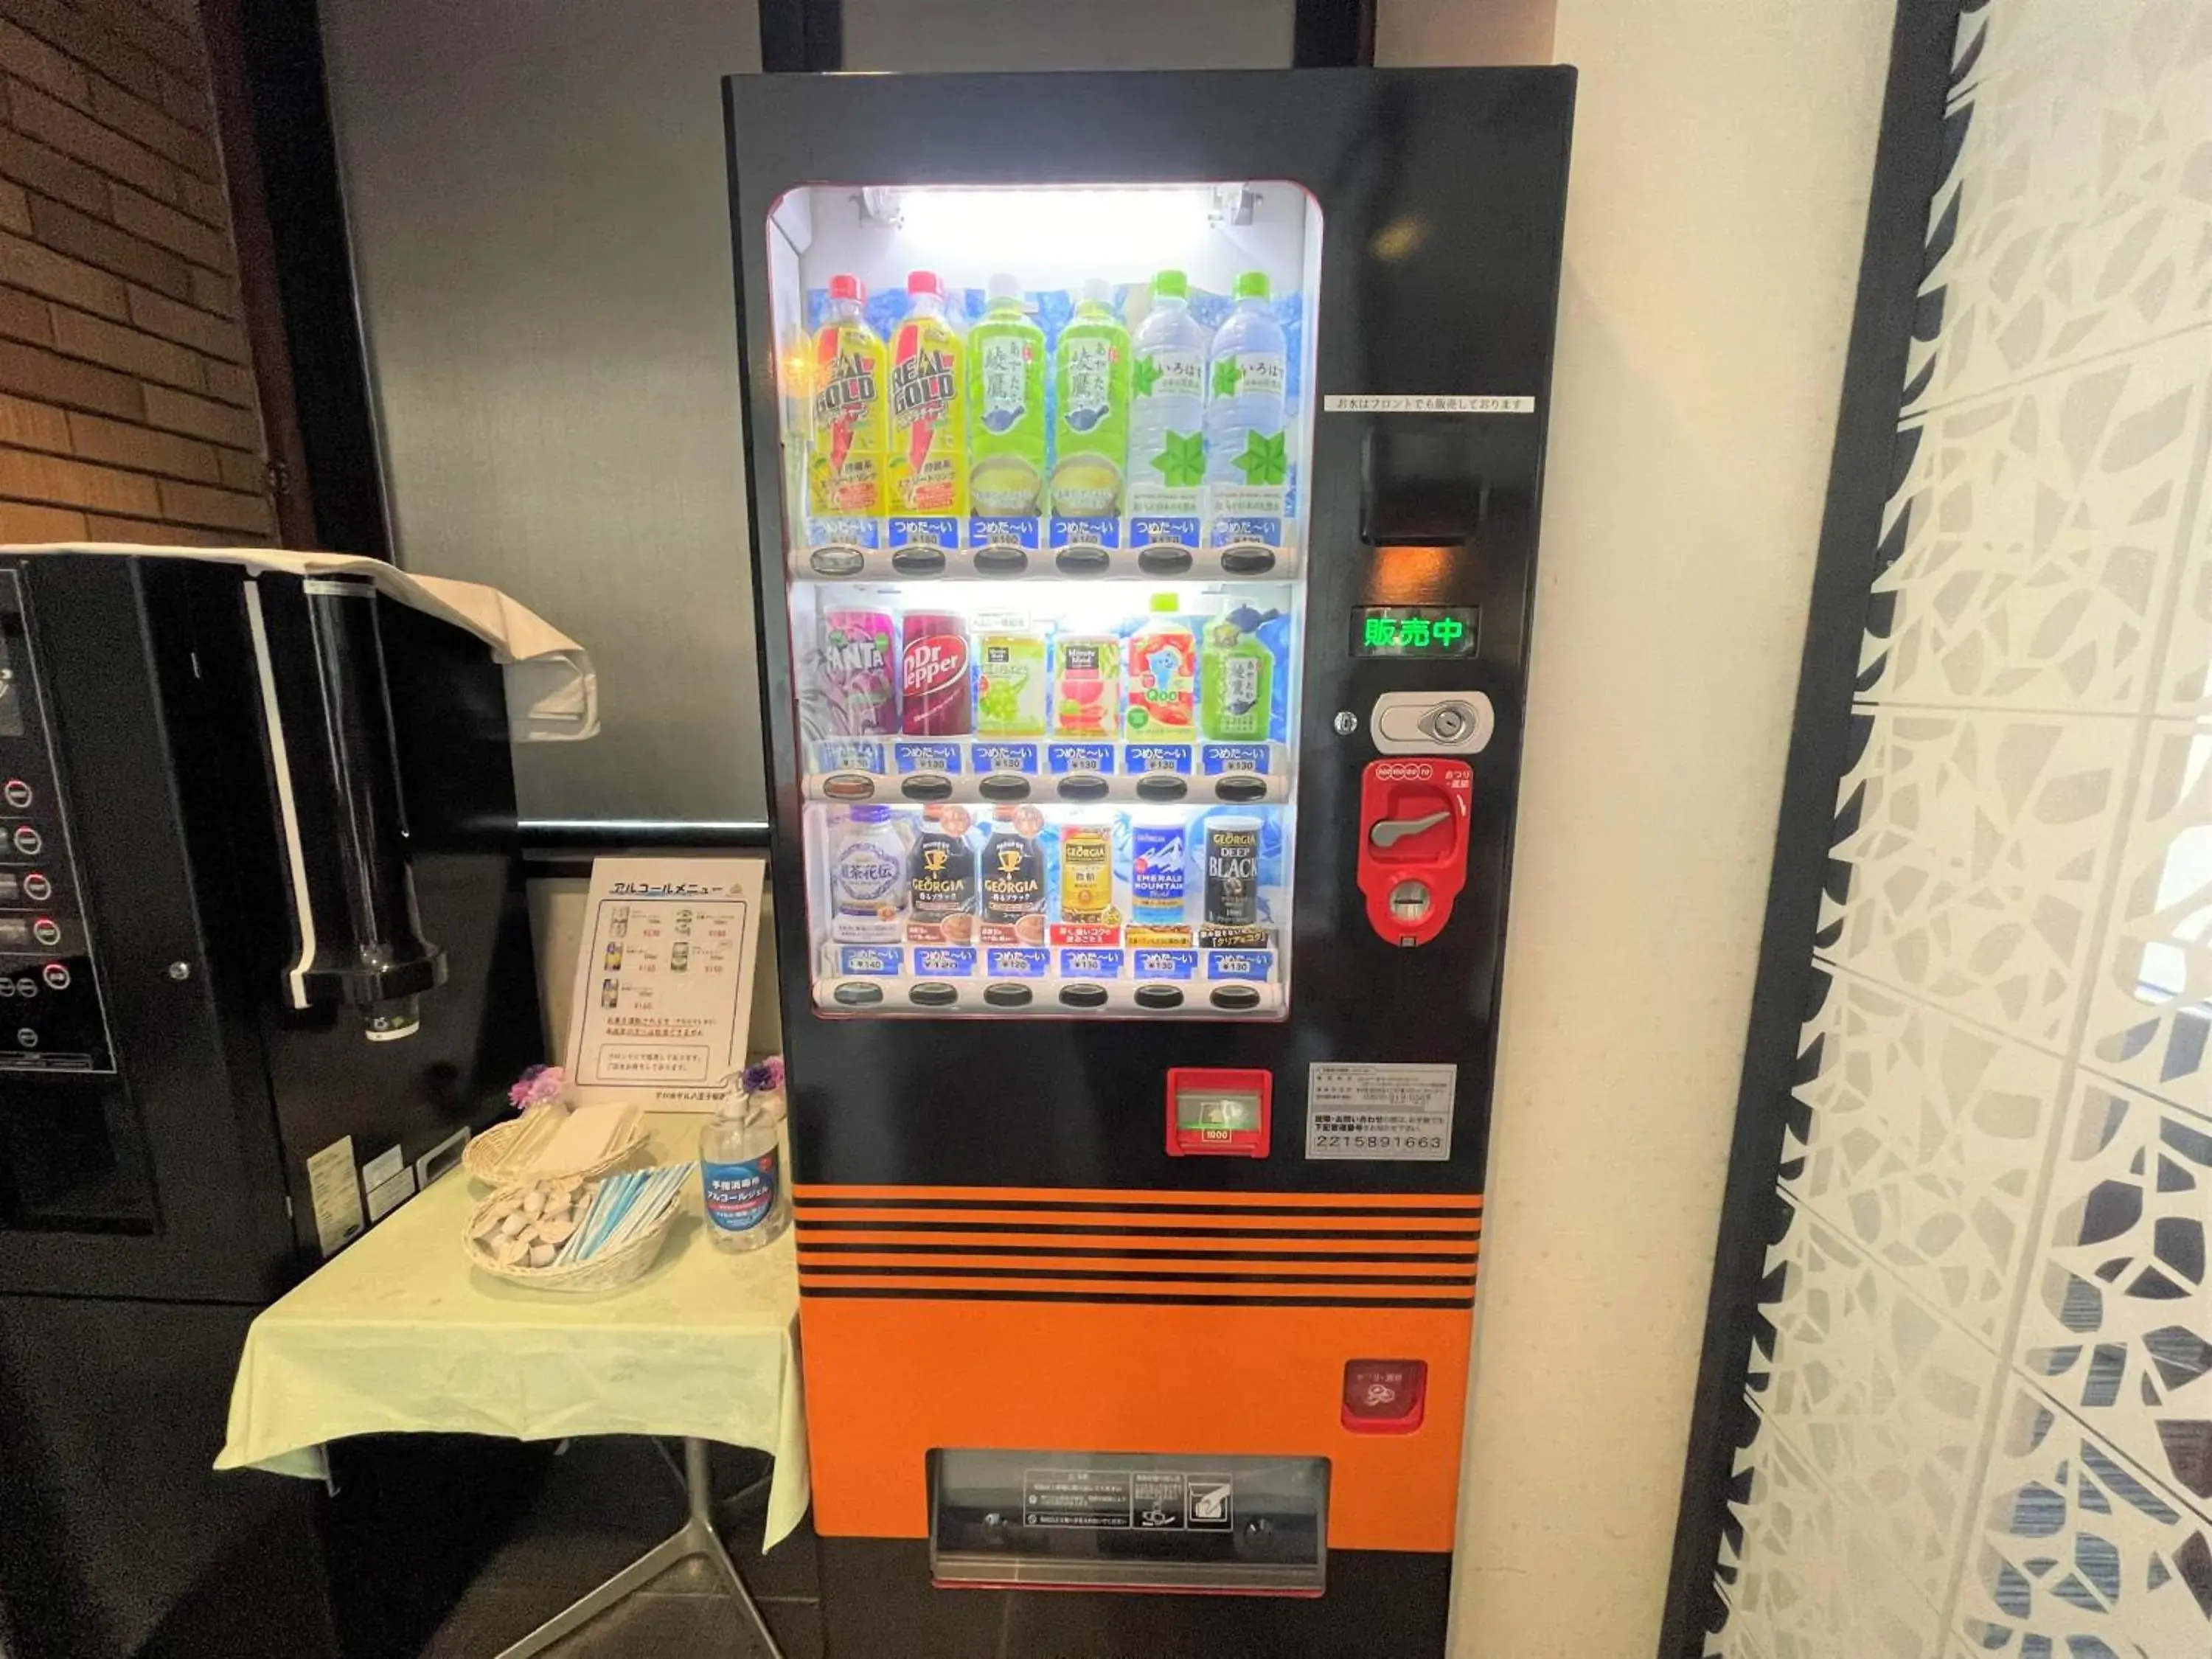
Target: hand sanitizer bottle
[741, 1166]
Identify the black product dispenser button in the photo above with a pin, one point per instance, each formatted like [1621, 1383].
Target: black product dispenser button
[1160, 996]
[1240, 786]
[933, 994]
[1083, 786]
[919, 561]
[1007, 993]
[1161, 785]
[1082, 561]
[837, 560]
[857, 993]
[1004, 785]
[928, 785]
[1164, 559]
[1083, 996]
[998, 561]
[1237, 998]
[1246, 559]
[1421, 483]
[849, 786]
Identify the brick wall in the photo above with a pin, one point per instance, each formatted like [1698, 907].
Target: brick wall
[127, 409]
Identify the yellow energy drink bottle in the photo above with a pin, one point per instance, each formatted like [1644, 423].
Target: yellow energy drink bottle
[928, 468]
[845, 455]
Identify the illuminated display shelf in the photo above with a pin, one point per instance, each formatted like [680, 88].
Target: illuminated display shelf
[837, 562]
[891, 623]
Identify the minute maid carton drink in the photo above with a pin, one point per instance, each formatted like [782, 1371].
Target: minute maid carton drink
[927, 464]
[1006, 415]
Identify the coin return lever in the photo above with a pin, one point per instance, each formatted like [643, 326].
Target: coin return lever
[1413, 818]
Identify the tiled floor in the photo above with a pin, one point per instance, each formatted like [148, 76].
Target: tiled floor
[603, 1504]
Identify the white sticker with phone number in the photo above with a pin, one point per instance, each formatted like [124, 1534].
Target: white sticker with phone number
[1377, 1110]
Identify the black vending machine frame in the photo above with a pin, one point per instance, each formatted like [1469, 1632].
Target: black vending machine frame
[1468, 168]
[1442, 196]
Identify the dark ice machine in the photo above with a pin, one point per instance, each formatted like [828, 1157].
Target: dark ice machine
[261, 924]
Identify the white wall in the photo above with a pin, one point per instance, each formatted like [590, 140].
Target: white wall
[1722, 151]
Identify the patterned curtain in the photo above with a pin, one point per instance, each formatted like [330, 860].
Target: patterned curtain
[1980, 1418]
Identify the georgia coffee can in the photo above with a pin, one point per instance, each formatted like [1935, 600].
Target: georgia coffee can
[934, 698]
[1232, 872]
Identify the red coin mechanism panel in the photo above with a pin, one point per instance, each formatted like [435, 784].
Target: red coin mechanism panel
[1213, 1113]
[1413, 818]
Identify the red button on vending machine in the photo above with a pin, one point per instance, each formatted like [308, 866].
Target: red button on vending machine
[1219, 1114]
[1384, 1396]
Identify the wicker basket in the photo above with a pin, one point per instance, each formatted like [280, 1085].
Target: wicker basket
[610, 1270]
[485, 1157]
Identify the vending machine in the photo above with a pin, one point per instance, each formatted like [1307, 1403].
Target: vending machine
[1144, 473]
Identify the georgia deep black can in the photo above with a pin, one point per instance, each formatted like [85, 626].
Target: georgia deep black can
[1232, 872]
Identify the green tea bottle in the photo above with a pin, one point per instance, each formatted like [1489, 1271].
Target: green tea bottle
[1090, 427]
[1005, 407]
[1236, 683]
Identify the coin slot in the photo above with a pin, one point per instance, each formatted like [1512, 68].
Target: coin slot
[1410, 901]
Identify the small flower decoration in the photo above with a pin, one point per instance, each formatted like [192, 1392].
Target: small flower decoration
[763, 1077]
[541, 1085]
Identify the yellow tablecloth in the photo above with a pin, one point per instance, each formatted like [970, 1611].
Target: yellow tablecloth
[399, 1334]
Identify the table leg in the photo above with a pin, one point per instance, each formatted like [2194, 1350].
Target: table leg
[696, 1537]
